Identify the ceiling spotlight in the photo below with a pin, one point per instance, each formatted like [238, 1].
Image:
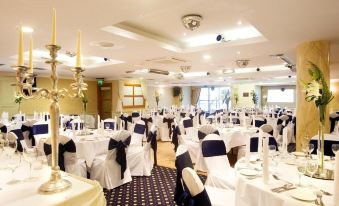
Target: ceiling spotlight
[191, 21]
[27, 29]
[221, 38]
[228, 71]
[207, 56]
[242, 63]
[239, 23]
[185, 69]
[258, 69]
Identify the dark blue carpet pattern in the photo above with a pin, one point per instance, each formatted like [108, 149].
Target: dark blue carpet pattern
[158, 189]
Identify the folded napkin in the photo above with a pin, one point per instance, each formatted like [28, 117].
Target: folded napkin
[336, 180]
[265, 160]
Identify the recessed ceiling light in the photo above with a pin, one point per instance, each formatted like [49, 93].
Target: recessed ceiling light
[27, 29]
[207, 56]
[239, 23]
[184, 34]
[238, 52]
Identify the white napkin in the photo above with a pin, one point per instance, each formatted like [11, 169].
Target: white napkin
[336, 180]
[73, 129]
[265, 161]
[248, 150]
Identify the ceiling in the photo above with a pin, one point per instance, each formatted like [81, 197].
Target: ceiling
[146, 30]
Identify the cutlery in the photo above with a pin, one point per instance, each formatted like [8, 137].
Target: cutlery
[326, 193]
[278, 178]
[283, 188]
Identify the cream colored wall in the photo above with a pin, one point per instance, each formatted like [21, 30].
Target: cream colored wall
[334, 104]
[240, 89]
[166, 96]
[264, 90]
[67, 105]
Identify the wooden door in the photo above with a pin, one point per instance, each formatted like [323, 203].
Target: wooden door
[105, 101]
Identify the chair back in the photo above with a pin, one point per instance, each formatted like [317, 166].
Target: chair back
[111, 123]
[138, 133]
[198, 195]
[40, 127]
[206, 130]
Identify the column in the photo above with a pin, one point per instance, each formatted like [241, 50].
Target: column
[306, 112]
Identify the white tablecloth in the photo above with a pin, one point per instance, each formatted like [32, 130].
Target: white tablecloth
[233, 137]
[255, 193]
[82, 192]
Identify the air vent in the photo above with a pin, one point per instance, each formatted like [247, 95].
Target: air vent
[40, 68]
[243, 79]
[166, 60]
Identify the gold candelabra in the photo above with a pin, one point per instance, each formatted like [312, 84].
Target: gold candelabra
[55, 183]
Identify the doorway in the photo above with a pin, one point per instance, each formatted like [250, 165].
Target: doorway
[105, 101]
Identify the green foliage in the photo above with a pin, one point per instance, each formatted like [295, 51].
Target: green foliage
[254, 97]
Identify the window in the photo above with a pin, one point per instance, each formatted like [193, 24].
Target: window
[133, 96]
[279, 95]
[212, 98]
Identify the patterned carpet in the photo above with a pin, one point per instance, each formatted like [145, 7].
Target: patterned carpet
[158, 189]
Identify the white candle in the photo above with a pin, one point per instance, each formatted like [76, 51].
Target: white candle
[21, 48]
[253, 119]
[30, 64]
[265, 160]
[53, 40]
[78, 57]
[98, 122]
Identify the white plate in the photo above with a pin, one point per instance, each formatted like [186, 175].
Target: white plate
[248, 172]
[299, 154]
[303, 194]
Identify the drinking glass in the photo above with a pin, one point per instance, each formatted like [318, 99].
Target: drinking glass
[30, 156]
[272, 150]
[335, 148]
[10, 147]
[301, 167]
[311, 167]
[310, 149]
[107, 126]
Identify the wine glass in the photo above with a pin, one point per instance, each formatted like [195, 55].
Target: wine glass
[301, 167]
[30, 156]
[311, 167]
[10, 147]
[310, 149]
[272, 150]
[335, 148]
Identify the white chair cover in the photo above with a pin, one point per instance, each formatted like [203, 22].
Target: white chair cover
[72, 164]
[219, 172]
[107, 171]
[138, 133]
[111, 122]
[206, 195]
[165, 127]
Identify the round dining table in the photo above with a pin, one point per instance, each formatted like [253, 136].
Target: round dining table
[251, 191]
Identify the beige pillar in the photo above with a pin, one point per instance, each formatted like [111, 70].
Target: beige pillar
[307, 113]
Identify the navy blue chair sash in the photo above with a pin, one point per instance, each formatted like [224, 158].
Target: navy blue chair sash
[187, 123]
[169, 122]
[191, 116]
[152, 138]
[200, 114]
[333, 122]
[126, 119]
[235, 120]
[25, 128]
[175, 139]
[182, 114]
[211, 148]
[3, 129]
[327, 147]
[120, 146]
[139, 128]
[47, 117]
[40, 129]
[200, 199]
[202, 135]
[147, 120]
[135, 114]
[254, 143]
[181, 162]
[68, 147]
[258, 122]
[111, 125]
[68, 124]
[20, 136]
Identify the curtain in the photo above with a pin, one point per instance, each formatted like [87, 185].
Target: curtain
[195, 94]
[144, 92]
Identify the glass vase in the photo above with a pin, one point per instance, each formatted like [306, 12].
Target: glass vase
[321, 134]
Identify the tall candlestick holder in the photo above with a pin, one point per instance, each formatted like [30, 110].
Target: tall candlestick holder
[55, 183]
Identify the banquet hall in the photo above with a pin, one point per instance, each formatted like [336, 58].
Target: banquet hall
[181, 102]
